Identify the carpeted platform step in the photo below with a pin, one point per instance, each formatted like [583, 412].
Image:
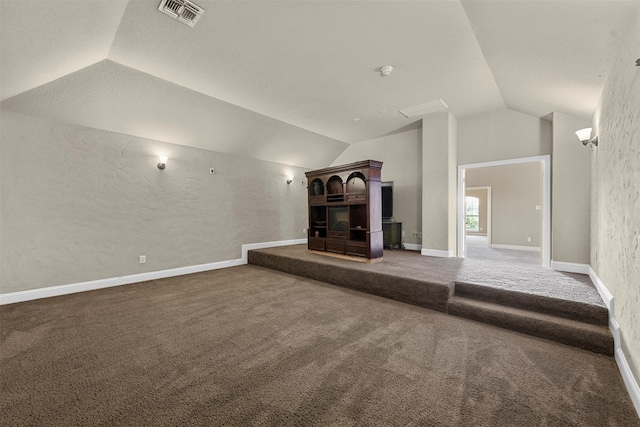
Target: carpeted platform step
[596, 338]
[347, 275]
[574, 310]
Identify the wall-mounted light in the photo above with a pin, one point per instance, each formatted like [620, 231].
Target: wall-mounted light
[163, 162]
[289, 179]
[584, 135]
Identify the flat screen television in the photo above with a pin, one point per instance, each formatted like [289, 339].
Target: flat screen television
[387, 200]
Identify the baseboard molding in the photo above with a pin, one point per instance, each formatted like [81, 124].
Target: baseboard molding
[570, 267]
[54, 291]
[628, 379]
[437, 253]
[517, 248]
[249, 246]
[630, 382]
[412, 246]
[606, 296]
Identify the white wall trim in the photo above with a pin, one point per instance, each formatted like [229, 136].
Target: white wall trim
[630, 382]
[437, 253]
[570, 267]
[516, 247]
[628, 379]
[412, 246]
[249, 246]
[606, 296]
[53, 291]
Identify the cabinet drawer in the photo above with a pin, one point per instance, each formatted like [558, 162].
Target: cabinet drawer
[337, 247]
[356, 197]
[357, 250]
[316, 199]
[317, 244]
[337, 234]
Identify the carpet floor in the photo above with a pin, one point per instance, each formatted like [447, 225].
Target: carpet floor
[249, 346]
[531, 279]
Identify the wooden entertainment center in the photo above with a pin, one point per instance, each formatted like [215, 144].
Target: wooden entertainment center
[345, 217]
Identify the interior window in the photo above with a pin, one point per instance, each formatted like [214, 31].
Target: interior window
[472, 213]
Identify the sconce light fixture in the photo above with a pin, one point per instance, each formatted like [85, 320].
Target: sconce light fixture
[289, 179]
[163, 162]
[584, 135]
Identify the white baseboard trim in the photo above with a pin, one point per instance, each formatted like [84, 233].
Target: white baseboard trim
[54, 291]
[249, 246]
[630, 382]
[412, 246]
[606, 296]
[628, 379]
[517, 248]
[570, 267]
[437, 253]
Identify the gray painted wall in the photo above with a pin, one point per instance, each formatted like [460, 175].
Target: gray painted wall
[401, 155]
[502, 135]
[615, 195]
[439, 148]
[80, 204]
[515, 192]
[570, 192]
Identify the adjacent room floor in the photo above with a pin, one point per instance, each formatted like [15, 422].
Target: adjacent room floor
[478, 248]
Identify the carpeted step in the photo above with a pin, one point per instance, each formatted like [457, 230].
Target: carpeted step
[574, 310]
[596, 338]
[416, 292]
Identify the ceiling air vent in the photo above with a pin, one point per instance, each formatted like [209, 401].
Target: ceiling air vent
[182, 10]
[424, 109]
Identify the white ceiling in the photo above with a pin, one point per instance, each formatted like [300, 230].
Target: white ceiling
[273, 79]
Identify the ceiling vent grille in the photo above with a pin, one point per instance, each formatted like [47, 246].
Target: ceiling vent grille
[182, 10]
[424, 109]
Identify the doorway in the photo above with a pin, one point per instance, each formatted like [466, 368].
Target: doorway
[544, 255]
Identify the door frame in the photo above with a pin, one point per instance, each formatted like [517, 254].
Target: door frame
[545, 162]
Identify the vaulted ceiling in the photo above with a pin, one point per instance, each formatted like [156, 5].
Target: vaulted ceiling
[275, 80]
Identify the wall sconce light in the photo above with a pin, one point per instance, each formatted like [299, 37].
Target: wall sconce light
[163, 162]
[289, 179]
[584, 135]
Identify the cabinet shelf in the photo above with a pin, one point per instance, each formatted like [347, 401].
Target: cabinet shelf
[346, 202]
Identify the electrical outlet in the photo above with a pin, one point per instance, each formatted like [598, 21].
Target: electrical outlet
[143, 259]
[212, 171]
[304, 231]
[416, 234]
[402, 233]
[529, 239]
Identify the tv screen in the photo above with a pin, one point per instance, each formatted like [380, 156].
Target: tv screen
[387, 200]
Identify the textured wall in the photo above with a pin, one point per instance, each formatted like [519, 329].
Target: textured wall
[401, 157]
[502, 135]
[570, 192]
[81, 204]
[515, 191]
[615, 195]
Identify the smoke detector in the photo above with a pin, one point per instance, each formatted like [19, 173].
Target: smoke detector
[386, 70]
[182, 10]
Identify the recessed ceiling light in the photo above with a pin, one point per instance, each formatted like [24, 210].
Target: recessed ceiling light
[357, 119]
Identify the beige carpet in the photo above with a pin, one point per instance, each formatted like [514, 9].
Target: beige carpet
[249, 346]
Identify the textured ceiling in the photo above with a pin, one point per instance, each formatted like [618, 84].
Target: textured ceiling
[269, 79]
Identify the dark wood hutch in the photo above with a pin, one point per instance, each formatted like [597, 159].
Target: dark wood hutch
[345, 216]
